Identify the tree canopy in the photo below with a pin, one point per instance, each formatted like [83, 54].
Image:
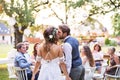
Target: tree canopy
[24, 14]
[102, 7]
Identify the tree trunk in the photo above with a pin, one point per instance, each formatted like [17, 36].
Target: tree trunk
[18, 34]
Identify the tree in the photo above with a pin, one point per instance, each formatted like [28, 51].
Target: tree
[110, 6]
[65, 6]
[23, 12]
[102, 7]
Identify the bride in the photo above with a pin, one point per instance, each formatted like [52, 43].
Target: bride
[50, 58]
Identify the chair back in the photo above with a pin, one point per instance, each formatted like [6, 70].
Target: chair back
[117, 73]
[89, 72]
[21, 73]
[100, 75]
[11, 70]
[103, 69]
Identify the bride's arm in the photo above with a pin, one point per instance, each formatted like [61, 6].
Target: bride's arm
[36, 69]
[64, 70]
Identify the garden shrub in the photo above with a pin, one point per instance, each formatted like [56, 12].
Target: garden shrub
[109, 42]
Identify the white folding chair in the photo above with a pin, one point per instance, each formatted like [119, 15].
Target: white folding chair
[89, 72]
[116, 76]
[101, 74]
[11, 71]
[21, 73]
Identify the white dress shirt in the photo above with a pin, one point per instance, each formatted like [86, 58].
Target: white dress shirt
[67, 48]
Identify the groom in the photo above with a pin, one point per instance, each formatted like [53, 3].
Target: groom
[72, 55]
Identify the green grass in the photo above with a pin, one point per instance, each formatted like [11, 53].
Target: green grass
[3, 72]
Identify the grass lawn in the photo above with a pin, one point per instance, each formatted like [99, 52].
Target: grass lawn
[3, 72]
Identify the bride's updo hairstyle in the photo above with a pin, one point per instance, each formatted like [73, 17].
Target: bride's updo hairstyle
[50, 35]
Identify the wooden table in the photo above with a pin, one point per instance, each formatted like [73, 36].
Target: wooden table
[106, 56]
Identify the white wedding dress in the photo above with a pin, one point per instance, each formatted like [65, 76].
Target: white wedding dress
[50, 70]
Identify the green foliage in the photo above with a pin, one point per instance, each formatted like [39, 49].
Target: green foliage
[106, 7]
[39, 28]
[116, 24]
[100, 7]
[77, 4]
[113, 43]
[22, 12]
[109, 42]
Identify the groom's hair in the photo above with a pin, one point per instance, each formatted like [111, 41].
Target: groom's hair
[65, 28]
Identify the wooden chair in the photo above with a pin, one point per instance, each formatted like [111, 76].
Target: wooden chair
[116, 76]
[21, 73]
[11, 71]
[101, 74]
[89, 72]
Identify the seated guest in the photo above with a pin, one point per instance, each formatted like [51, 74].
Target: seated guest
[34, 53]
[27, 55]
[114, 60]
[98, 56]
[87, 60]
[87, 57]
[21, 61]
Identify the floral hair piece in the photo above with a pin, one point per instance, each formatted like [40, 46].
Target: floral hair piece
[51, 36]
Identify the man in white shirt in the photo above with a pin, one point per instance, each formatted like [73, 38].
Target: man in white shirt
[72, 55]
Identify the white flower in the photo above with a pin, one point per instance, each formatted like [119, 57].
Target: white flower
[50, 36]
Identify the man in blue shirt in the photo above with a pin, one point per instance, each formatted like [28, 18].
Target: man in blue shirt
[72, 55]
[21, 61]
